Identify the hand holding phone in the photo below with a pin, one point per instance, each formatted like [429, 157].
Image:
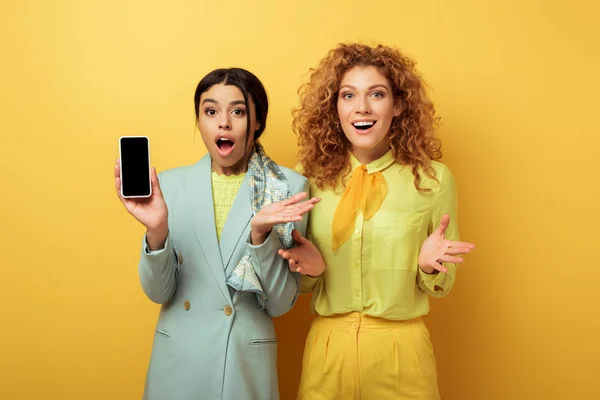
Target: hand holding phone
[150, 210]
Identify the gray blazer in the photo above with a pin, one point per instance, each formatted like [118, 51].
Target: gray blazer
[213, 342]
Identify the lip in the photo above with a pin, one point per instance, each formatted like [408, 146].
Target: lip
[363, 131]
[221, 152]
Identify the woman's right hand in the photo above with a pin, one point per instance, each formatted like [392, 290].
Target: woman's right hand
[304, 258]
[151, 212]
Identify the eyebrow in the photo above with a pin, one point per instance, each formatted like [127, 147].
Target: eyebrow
[379, 85]
[233, 103]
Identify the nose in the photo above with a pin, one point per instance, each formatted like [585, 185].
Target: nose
[225, 124]
[363, 107]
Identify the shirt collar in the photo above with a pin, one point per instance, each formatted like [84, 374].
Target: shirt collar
[378, 165]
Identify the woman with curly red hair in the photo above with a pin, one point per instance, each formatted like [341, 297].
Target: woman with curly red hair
[384, 236]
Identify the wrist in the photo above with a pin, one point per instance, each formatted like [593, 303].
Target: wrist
[156, 237]
[428, 270]
[158, 227]
[258, 237]
[260, 233]
[323, 268]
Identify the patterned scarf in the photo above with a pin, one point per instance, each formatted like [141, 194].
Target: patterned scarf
[267, 185]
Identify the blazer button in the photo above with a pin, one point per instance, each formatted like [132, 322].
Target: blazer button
[187, 305]
[180, 259]
[228, 311]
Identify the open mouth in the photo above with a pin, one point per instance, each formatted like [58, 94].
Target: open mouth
[225, 146]
[363, 125]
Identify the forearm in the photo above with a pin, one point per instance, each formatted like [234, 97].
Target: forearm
[158, 271]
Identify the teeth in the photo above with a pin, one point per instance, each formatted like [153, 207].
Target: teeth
[364, 123]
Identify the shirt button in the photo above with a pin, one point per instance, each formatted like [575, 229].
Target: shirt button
[357, 231]
[357, 263]
[228, 311]
[357, 294]
[180, 259]
[355, 326]
[187, 305]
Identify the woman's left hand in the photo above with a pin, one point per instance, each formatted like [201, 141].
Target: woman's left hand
[436, 250]
[288, 210]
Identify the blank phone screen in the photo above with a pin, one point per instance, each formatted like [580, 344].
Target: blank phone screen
[135, 166]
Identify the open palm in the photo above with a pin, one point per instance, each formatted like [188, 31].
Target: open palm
[288, 210]
[437, 249]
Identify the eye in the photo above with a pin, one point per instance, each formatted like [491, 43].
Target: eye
[377, 94]
[239, 112]
[210, 111]
[347, 96]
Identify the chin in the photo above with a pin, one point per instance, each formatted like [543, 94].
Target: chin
[365, 143]
[229, 161]
[225, 163]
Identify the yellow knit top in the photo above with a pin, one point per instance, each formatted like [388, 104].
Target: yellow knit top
[224, 190]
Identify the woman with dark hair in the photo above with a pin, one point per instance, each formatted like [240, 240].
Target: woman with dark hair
[209, 255]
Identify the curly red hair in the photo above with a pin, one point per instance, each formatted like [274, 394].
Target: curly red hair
[324, 149]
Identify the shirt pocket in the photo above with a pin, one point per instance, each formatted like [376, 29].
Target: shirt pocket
[396, 240]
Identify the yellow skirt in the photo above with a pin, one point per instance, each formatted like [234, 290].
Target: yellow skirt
[353, 356]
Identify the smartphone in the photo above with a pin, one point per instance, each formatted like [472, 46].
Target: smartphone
[134, 156]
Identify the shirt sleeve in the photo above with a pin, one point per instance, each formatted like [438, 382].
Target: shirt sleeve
[439, 284]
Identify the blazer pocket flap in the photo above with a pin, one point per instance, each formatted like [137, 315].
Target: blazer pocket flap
[263, 341]
[163, 333]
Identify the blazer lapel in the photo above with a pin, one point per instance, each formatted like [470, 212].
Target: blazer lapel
[238, 219]
[203, 219]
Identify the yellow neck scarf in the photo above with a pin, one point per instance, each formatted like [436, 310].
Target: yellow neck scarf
[365, 192]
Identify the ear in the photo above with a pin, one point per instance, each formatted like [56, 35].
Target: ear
[398, 107]
[257, 126]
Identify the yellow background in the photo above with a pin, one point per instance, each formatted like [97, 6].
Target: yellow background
[516, 83]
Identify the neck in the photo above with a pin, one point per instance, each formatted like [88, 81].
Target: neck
[367, 156]
[235, 169]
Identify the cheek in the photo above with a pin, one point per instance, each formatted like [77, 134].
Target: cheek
[202, 128]
[204, 125]
[386, 110]
[342, 110]
[207, 131]
[239, 128]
